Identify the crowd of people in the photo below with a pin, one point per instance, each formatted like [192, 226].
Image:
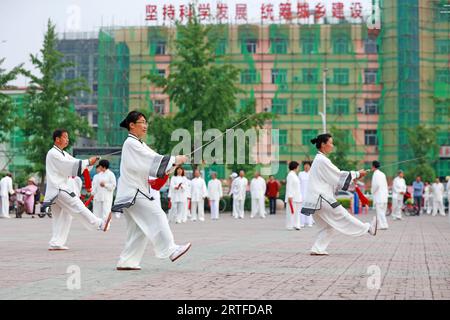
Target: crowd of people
[143, 172]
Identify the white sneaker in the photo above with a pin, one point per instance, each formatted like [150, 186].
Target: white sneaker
[57, 248]
[104, 226]
[117, 215]
[180, 251]
[373, 226]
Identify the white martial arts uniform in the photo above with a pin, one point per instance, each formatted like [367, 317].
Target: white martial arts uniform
[437, 189]
[179, 198]
[258, 192]
[398, 185]
[62, 195]
[215, 193]
[428, 199]
[6, 189]
[380, 197]
[293, 190]
[448, 196]
[239, 189]
[144, 217]
[324, 180]
[304, 219]
[198, 194]
[103, 196]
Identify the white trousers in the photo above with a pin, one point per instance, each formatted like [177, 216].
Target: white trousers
[5, 206]
[397, 205]
[381, 214]
[238, 209]
[198, 207]
[428, 204]
[304, 219]
[101, 208]
[214, 209]
[62, 211]
[258, 207]
[438, 205]
[146, 221]
[178, 212]
[293, 219]
[339, 219]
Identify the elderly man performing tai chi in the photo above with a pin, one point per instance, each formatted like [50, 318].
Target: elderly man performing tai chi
[61, 195]
[144, 217]
[324, 180]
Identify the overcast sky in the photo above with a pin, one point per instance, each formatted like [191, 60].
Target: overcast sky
[23, 22]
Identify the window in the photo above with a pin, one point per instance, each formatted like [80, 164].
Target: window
[221, 47]
[161, 72]
[249, 46]
[309, 106]
[279, 75]
[370, 137]
[308, 135]
[340, 45]
[158, 106]
[248, 76]
[95, 118]
[283, 137]
[279, 106]
[443, 46]
[442, 112]
[310, 76]
[370, 76]
[309, 44]
[443, 138]
[340, 106]
[371, 106]
[160, 47]
[340, 76]
[69, 74]
[443, 75]
[278, 46]
[370, 46]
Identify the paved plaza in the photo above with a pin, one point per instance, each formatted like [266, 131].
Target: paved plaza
[230, 259]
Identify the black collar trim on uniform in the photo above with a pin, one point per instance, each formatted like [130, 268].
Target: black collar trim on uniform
[130, 135]
[58, 149]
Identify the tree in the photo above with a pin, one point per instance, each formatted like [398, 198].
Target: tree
[202, 89]
[7, 120]
[339, 156]
[48, 106]
[424, 147]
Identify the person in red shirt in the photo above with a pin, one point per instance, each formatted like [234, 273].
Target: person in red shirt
[273, 192]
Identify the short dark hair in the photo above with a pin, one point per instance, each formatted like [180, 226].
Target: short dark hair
[376, 164]
[293, 165]
[104, 163]
[307, 162]
[132, 117]
[58, 133]
[321, 138]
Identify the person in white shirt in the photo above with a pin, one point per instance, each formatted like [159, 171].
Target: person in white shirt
[303, 177]
[258, 191]
[61, 194]
[324, 180]
[293, 197]
[428, 198]
[437, 189]
[380, 194]
[198, 194]
[448, 193]
[179, 192]
[215, 193]
[238, 190]
[103, 189]
[145, 220]
[398, 192]
[6, 189]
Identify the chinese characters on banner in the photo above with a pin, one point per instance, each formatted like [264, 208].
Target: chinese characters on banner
[285, 11]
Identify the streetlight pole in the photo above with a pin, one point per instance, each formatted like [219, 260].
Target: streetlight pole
[324, 88]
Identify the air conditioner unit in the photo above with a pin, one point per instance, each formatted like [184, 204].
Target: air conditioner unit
[360, 110]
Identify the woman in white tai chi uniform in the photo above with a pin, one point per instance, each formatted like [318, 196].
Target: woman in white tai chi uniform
[324, 180]
[144, 217]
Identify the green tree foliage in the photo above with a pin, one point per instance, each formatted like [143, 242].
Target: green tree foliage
[339, 156]
[48, 106]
